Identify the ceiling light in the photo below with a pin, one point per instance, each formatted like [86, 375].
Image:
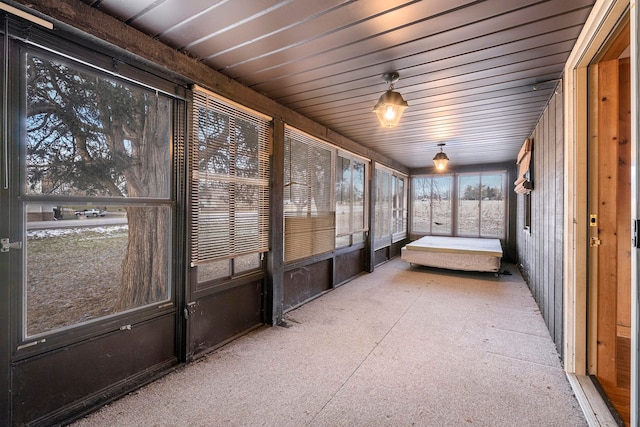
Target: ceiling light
[441, 159]
[390, 106]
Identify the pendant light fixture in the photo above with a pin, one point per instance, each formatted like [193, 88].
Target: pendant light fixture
[441, 159]
[391, 105]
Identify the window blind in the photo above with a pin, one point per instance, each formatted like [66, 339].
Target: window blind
[309, 200]
[229, 160]
[523, 184]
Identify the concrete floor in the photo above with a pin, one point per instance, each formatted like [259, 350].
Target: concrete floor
[403, 346]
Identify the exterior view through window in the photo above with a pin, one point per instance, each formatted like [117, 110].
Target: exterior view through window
[470, 205]
[390, 207]
[481, 205]
[97, 195]
[432, 205]
[350, 201]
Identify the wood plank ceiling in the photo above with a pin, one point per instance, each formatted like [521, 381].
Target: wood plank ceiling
[477, 74]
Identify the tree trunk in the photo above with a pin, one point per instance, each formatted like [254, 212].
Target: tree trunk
[145, 268]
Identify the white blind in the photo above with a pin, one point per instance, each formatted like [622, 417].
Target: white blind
[309, 201]
[230, 179]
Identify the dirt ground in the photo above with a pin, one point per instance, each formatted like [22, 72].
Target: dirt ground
[73, 275]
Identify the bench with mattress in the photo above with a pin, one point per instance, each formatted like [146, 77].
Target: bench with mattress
[455, 253]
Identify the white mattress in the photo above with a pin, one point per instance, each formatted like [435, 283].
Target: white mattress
[455, 253]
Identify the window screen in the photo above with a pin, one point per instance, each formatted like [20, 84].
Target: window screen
[350, 200]
[399, 225]
[481, 204]
[432, 204]
[390, 223]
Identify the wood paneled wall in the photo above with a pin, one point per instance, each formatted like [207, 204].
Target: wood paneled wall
[540, 246]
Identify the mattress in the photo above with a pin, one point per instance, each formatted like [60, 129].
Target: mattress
[455, 253]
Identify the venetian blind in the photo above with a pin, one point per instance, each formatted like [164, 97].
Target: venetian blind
[309, 206]
[230, 179]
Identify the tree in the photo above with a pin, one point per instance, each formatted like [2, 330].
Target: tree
[92, 136]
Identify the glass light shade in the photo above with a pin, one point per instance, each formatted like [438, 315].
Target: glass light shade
[389, 108]
[441, 160]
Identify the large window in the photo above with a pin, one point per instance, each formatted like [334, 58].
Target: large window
[432, 205]
[471, 205]
[351, 222]
[309, 202]
[481, 205]
[230, 188]
[97, 194]
[390, 223]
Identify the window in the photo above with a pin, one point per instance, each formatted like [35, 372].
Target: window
[432, 205]
[350, 200]
[309, 202]
[390, 207]
[97, 160]
[481, 205]
[230, 188]
[399, 208]
[479, 209]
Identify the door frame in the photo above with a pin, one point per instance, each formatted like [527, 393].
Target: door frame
[604, 17]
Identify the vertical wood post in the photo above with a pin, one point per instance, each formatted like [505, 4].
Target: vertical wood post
[274, 296]
[370, 252]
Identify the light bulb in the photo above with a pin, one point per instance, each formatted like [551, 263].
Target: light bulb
[389, 114]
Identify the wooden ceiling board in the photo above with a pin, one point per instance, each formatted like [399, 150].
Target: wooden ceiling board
[365, 37]
[356, 69]
[325, 50]
[468, 91]
[170, 16]
[122, 9]
[413, 94]
[433, 75]
[217, 19]
[229, 50]
[467, 68]
[330, 36]
[497, 110]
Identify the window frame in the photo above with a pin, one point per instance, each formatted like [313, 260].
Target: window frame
[451, 192]
[455, 199]
[74, 56]
[480, 175]
[384, 215]
[353, 229]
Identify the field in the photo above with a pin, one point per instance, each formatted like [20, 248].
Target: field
[490, 221]
[73, 275]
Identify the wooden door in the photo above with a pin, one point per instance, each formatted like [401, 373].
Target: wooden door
[610, 231]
